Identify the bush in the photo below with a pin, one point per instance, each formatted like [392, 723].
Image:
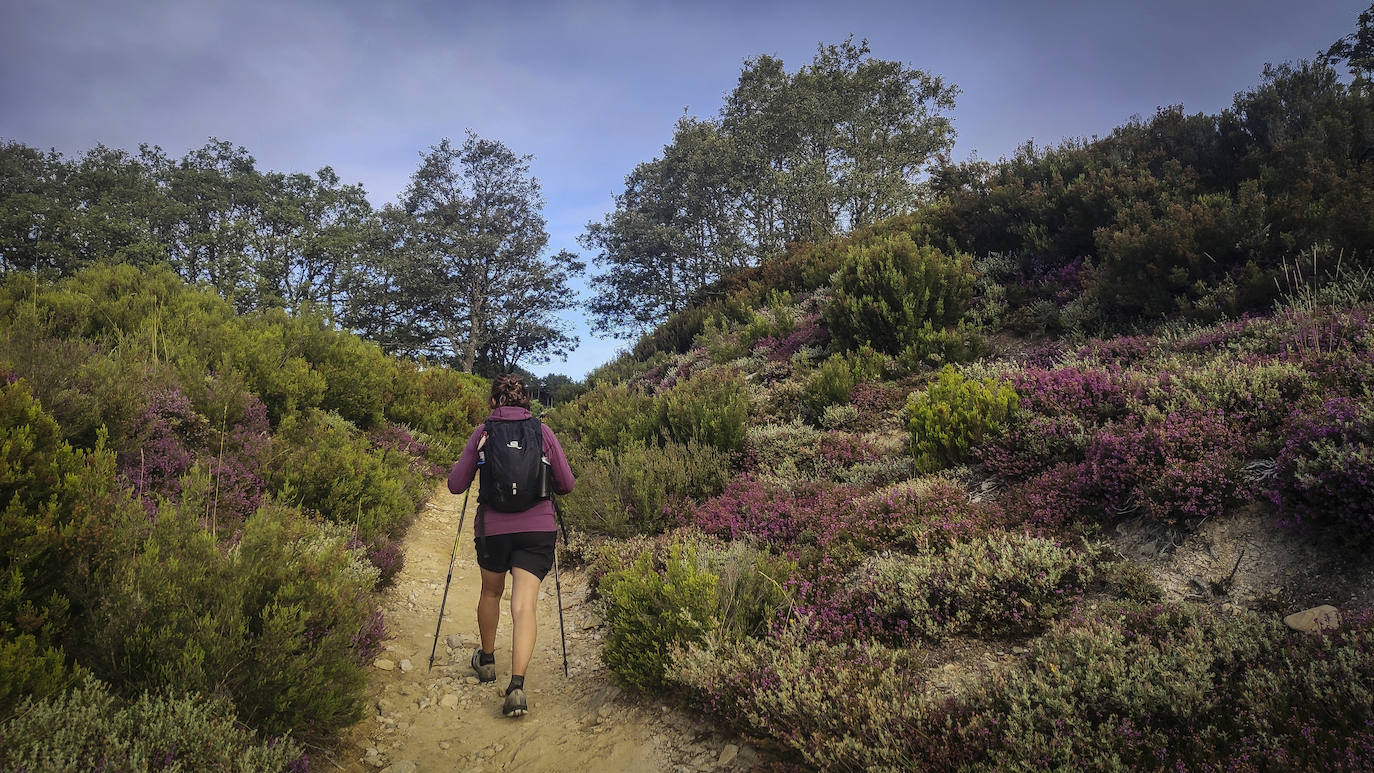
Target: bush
[633, 490]
[710, 408]
[952, 415]
[88, 728]
[610, 416]
[889, 288]
[998, 584]
[831, 706]
[649, 610]
[1177, 688]
[327, 465]
[282, 623]
[1176, 468]
[1325, 472]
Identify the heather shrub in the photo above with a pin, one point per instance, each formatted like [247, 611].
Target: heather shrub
[594, 504]
[830, 706]
[330, 467]
[440, 406]
[750, 585]
[1090, 394]
[1031, 443]
[1325, 472]
[609, 416]
[1175, 468]
[889, 288]
[1178, 688]
[1002, 583]
[952, 415]
[88, 728]
[832, 382]
[839, 416]
[649, 609]
[777, 320]
[773, 513]
[637, 488]
[28, 669]
[1054, 500]
[932, 346]
[1258, 396]
[797, 451]
[927, 515]
[711, 408]
[281, 622]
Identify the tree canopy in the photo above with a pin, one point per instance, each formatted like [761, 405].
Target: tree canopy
[839, 144]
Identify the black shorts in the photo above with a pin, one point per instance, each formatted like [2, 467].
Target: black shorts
[529, 550]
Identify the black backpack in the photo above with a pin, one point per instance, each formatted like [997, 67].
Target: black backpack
[514, 473]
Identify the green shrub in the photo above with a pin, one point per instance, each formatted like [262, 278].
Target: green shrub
[832, 382]
[632, 490]
[831, 706]
[952, 415]
[749, 585]
[998, 584]
[778, 320]
[649, 610]
[610, 416]
[88, 728]
[889, 288]
[711, 408]
[282, 623]
[30, 670]
[330, 467]
[933, 346]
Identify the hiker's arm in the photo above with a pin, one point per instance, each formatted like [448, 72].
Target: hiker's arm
[563, 480]
[465, 469]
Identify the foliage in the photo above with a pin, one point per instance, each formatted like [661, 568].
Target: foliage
[998, 584]
[280, 623]
[650, 609]
[710, 408]
[610, 416]
[331, 468]
[892, 292]
[952, 415]
[636, 488]
[89, 728]
[792, 158]
[1325, 471]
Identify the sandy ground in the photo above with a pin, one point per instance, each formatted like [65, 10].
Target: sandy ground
[443, 720]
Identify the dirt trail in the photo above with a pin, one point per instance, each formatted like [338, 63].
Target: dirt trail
[443, 720]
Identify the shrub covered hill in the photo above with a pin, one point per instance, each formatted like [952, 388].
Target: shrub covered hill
[197, 503]
[1030, 479]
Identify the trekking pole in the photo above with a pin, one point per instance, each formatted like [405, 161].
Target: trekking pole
[558, 585]
[449, 579]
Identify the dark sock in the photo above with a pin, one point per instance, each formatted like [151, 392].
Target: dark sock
[487, 658]
[516, 683]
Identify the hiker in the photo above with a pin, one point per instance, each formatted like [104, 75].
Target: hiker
[519, 540]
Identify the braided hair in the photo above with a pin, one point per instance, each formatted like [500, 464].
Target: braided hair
[509, 390]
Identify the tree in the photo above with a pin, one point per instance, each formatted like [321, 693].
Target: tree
[474, 262]
[1357, 48]
[839, 144]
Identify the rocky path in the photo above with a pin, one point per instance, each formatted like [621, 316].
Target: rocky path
[443, 720]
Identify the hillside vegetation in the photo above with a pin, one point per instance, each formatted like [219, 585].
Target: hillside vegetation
[817, 497]
[197, 503]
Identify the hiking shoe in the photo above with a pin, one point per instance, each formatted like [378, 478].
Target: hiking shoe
[485, 673]
[515, 704]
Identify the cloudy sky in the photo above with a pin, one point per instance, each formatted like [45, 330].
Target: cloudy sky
[592, 88]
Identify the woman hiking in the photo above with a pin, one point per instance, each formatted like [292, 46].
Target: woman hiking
[515, 529]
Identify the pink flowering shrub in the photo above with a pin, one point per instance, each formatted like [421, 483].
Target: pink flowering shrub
[1090, 394]
[1052, 500]
[1031, 443]
[168, 434]
[1325, 472]
[775, 514]
[922, 516]
[1182, 468]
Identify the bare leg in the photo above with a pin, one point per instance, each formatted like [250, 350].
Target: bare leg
[524, 595]
[489, 607]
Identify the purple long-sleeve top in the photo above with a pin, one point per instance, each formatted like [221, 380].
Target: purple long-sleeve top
[537, 518]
